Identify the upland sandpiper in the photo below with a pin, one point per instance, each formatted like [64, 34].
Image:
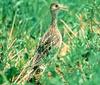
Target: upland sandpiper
[51, 39]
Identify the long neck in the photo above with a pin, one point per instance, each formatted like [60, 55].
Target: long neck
[54, 18]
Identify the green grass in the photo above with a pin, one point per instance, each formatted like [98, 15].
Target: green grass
[23, 22]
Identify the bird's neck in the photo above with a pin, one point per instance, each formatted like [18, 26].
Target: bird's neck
[54, 19]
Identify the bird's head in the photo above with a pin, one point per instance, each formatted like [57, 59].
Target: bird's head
[56, 7]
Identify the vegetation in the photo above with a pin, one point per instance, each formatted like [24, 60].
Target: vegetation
[23, 22]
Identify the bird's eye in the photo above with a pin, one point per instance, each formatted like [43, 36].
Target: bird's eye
[56, 6]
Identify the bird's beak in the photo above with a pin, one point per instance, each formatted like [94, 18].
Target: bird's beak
[62, 7]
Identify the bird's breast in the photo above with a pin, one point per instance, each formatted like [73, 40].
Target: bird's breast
[56, 37]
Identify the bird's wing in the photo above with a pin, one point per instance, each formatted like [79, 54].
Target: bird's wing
[49, 39]
[43, 47]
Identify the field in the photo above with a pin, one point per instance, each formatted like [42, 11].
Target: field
[22, 24]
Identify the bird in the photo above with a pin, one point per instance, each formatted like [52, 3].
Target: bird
[52, 38]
